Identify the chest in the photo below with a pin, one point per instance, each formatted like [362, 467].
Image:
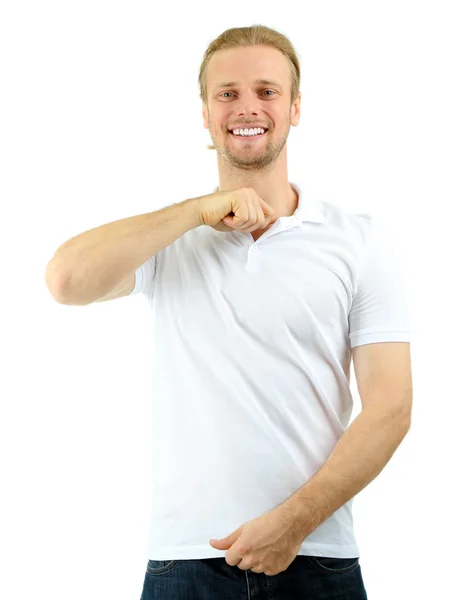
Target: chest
[276, 290]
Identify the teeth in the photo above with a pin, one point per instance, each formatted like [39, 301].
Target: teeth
[246, 132]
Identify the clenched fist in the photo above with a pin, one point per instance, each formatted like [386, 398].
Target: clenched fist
[240, 209]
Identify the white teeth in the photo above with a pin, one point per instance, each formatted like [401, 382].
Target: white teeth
[246, 132]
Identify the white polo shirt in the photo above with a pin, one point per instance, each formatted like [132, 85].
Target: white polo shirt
[252, 352]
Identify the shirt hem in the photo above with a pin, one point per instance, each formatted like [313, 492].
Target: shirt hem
[206, 551]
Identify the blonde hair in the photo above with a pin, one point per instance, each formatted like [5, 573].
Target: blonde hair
[251, 36]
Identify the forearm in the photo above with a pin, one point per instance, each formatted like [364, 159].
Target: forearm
[358, 457]
[91, 264]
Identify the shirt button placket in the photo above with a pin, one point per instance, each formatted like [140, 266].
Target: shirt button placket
[252, 264]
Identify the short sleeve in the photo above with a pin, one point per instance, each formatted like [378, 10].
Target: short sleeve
[145, 277]
[379, 311]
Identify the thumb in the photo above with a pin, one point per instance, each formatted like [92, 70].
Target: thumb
[227, 541]
[221, 544]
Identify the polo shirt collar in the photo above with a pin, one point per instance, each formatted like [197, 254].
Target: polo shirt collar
[307, 210]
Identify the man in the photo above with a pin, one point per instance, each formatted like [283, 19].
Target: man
[260, 297]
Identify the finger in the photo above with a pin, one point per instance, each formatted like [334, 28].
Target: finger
[228, 220]
[251, 223]
[269, 212]
[241, 215]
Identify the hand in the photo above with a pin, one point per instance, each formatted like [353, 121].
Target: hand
[267, 544]
[240, 209]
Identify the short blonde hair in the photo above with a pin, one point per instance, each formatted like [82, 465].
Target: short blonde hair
[252, 36]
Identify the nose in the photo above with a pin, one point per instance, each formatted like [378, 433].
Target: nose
[248, 104]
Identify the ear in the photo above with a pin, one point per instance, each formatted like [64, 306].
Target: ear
[205, 117]
[296, 110]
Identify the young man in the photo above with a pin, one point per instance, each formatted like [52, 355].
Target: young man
[260, 295]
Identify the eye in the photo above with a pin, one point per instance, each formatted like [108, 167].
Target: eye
[222, 94]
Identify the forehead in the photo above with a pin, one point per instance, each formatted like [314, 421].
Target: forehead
[247, 66]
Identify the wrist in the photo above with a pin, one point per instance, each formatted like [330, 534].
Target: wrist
[191, 208]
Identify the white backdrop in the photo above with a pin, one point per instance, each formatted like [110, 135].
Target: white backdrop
[100, 120]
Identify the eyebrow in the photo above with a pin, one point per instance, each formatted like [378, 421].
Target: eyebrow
[257, 81]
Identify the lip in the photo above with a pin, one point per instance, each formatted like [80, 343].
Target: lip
[246, 127]
[249, 137]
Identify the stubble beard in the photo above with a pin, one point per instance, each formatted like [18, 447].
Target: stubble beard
[249, 159]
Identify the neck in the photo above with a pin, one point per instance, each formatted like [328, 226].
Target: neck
[271, 184]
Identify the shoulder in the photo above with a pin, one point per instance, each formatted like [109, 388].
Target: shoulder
[357, 224]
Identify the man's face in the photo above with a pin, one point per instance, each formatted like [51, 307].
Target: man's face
[247, 103]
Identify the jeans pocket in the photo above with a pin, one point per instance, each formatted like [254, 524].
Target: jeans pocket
[157, 567]
[332, 565]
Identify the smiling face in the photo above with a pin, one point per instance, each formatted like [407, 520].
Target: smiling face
[247, 87]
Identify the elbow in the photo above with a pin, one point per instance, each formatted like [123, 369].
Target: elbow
[54, 280]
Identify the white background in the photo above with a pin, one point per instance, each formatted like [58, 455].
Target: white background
[100, 120]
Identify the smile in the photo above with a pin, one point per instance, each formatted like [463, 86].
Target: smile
[248, 137]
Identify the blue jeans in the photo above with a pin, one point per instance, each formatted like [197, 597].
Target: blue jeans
[306, 578]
